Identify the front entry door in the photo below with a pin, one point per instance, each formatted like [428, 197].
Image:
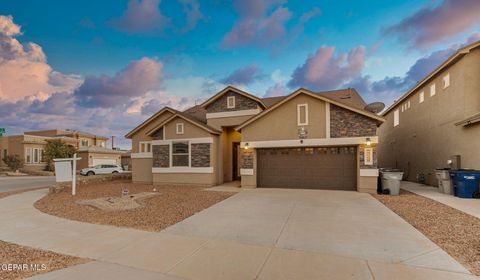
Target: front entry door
[235, 161]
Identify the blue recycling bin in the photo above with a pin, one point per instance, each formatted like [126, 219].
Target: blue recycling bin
[466, 183]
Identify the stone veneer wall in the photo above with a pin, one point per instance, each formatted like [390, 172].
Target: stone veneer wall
[246, 159]
[201, 155]
[362, 157]
[345, 123]
[161, 155]
[241, 103]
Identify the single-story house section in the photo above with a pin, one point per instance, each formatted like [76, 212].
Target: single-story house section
[323, 140]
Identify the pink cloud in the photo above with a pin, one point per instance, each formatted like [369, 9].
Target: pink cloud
[278, 89]
[431, 25]
[24, 71]
[324, 70]
[142, 16]
[243, 76]
[256, 23]
[135, 80]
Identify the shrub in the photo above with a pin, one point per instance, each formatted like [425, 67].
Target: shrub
[55, 149]
[14, 162]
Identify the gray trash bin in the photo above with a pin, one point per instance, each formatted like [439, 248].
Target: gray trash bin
[444, 181]
[391, 180]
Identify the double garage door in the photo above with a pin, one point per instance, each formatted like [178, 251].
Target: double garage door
[329, 168]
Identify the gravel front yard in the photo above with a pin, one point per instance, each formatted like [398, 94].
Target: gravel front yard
[41, 261]
[174, 204]
[454, 231]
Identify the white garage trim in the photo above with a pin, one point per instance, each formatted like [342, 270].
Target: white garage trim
[310, 142]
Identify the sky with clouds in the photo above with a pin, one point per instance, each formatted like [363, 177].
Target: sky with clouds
[105, 66]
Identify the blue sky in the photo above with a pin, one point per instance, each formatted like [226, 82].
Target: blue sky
[122, 60]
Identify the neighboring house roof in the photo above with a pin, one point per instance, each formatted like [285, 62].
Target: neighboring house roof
[149, 120]
[460, 53]
[315, 95]
[236, 90]
[187, 118]
[348, 96]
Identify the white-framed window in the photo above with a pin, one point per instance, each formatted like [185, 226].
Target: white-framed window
[230, 102]
[302, 114]
[368, 156]
[408, 104]
[179, 128]
[84, 143]
[421, 97]
[145, 147]
[101, 144]
[180, 154]
[432, 90]
[36, 156]
[446, 80]
[396, 118]
[403, 107]
[28, 155]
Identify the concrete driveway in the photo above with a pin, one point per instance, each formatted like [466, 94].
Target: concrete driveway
[25, 182]
[255, 234]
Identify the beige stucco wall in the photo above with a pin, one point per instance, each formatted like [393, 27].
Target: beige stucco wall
[142, 170]
[426, 136]
[367, 184]
[140, 135]
[190, 130]
[281, 123]
[227, 121]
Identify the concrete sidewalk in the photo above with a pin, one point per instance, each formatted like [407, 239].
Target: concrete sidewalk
[469, 206]
[257, 234]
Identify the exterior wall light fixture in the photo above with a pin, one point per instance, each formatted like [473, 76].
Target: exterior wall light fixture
[369, 142]
[246, 146]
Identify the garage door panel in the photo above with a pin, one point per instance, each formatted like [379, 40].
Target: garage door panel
[318, 168]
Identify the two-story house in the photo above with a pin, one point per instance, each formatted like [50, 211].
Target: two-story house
[437, 119]
[314, 140]
[30, 146]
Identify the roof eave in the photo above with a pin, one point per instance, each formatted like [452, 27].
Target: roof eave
[147, 121]
[225, 90]
[379, 119]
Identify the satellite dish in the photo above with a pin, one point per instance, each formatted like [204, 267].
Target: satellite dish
[375, 107]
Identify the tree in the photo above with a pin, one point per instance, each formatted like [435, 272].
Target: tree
[56, 149]
[14, 162]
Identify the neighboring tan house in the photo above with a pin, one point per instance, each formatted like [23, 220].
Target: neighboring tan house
[320, 140]
[436, 119]
[30, 146]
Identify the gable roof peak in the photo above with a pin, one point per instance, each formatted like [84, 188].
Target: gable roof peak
[234, 89]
